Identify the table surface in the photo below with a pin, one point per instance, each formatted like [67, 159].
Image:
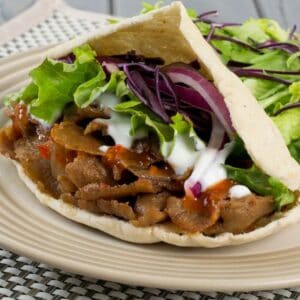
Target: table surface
[21, 278]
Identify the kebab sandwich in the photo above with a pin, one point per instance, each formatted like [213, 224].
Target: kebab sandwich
[140, 130]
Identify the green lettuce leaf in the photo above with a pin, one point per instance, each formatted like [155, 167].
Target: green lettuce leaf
[25, 95]
[147, 7]
[262, 184]
[143, 118]
[90, 90]
[57, 82]
[234, 52]
[258, 31]
[288, 122]
[276, 60]
[294, 89]
[294, 148]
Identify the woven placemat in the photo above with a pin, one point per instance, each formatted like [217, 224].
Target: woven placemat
[21, 278]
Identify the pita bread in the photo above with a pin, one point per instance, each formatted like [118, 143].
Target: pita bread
[170, 34]
[160, 232]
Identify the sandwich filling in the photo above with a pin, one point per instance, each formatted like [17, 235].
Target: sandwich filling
[131, 137]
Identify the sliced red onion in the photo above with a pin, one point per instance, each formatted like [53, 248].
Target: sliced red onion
[214, 99]
[110, 64]
[110, 67]
[217, 134]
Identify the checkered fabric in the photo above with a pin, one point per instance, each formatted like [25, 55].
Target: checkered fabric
[58, 28]
[23, 279]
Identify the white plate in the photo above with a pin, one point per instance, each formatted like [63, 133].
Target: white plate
[29, 229]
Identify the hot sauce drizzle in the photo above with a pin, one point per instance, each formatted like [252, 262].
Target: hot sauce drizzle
[206, 202]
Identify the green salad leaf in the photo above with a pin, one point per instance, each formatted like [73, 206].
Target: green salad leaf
[234, 52]
[262, 184]
[25, 95]
[89, 91]
[143, 118]
[288, 122]
[147, 7]
[258, 31]
[57, 82]
[294, 148]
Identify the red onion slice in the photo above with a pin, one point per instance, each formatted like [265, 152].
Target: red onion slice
[210, 94]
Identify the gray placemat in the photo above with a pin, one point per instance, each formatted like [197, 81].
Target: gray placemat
[21, 278]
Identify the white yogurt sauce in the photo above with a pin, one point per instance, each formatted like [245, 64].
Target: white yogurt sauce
[209, 168]
[239, 191]
[183, 155]
[118, 126]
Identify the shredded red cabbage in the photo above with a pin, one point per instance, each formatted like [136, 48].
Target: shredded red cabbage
[288, 47]
[257, 73]
[292, 35]
[178, 88]
[287, 107]
[212, 13]
[296, 73]
[229, 39]
[140, 88]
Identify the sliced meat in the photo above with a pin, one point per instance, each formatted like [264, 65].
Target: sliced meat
[66, 185]
[21, 122]
[101, 206]
[120, 158]
[115, 208]
[69, 198]
[150, 209]
[8, 136]
[36, 167]
[76, 114]
[59, 158]
[96, 125]
[86, 169]
[148, 145]
[71, 136]
[90, 206]
[108, 207]
[128, 159]
[96, 191]
[162, 173]
[237, 215]
[191, 221]
[145, 165]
